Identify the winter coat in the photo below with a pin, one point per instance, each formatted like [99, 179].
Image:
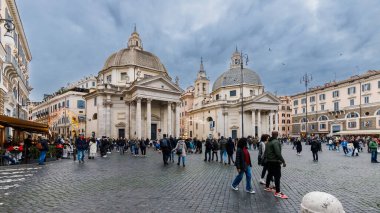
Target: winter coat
[273, 152]
[230, 147]
[181, 145]
[240, 162]
[223, 144]
[315, 146]
[373, 145]
[93, 147]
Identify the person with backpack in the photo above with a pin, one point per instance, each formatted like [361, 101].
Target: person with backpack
[244, 166]
[165, 149]
[215, 148]
[44, 148]
[208, 146]
[143, 147]
[223, 150]
[81, 145]
[180, 149]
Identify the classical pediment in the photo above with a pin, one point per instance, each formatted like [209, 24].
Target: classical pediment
[267, 97]
[159, 82]
[120, 124]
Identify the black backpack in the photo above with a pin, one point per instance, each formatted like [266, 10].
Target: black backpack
[164, 143]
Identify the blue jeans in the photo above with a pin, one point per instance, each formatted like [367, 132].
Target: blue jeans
[223, 156]
[183, 159]
[239, 177]
[80, 155]
[373, 155]
[42, 157]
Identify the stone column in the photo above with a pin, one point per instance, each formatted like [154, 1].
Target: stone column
[108, 104]
[127, 120]
[148, 118]
[276, 120]
[138, 118]
[169, 119]
[253, 123]
[259, 123]
[177, 121]
[225, 124]
[270, 122]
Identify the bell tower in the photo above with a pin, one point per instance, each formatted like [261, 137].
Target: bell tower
[202, 83]
[235, 59]
[134, 41]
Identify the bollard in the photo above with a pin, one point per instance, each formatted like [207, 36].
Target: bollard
[320, 202]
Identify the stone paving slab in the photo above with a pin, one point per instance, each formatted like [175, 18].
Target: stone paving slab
[135, 184]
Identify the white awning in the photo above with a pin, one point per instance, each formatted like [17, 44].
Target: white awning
[358, 132]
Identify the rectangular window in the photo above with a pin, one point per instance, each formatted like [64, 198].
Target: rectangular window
[63, 104]
[366, 87]
[303, 109]
[351, 90]
[352, 102]
[336, 106]
[123, 76]
[109, 78]
[93, 83]
[232, 93]
[67, 103]
[336, 94]
[251, 92]
[378, 84]
[95, 101]
[322, 126]
[303, 101]
[217, 97]
[366, 99]
[322, 107]
[312, 99]
[81, 104]
[312, 108]
[322, 97]
[295, 103]
[86, 84]
[295, 111]
[352, 124]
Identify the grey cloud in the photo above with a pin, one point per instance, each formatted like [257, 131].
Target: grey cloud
[69, 42]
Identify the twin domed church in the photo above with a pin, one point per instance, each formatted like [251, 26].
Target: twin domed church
[136, 98]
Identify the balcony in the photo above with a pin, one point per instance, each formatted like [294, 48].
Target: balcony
[15, 69]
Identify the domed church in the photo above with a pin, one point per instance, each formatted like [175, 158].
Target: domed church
[218, 113]
[135, 97]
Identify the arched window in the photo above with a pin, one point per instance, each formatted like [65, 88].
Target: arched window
[95, 116]
[352, 115]
[304, 120]
[378, 113]
[323, 118]
[209, 119]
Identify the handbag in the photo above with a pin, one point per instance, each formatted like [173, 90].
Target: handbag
[179, 151]
[39, 146]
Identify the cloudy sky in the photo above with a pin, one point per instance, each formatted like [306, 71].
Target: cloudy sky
[330, 39]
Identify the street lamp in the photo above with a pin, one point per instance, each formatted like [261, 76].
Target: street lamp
[242, 58]
[9, 26]
[306, 79]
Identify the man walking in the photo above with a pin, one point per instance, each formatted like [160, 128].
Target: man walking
[274, 161]
[373, 147]
[165, 149]
[208, 149]
[344, 146]
[44, 147]
[223, 150]
[315, 147]
[81, 145]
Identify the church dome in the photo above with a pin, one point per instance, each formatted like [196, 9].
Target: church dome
[232, 76]
[134, 55]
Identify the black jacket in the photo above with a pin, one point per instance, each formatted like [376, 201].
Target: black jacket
[240, 160]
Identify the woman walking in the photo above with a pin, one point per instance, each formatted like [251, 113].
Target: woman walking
[243, 165]
[143, 147]
[93, 148]
[181, 150]
[261, 156]
[230, 151]
[299, 147]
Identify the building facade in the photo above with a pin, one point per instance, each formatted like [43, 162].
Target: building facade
[135, 96]
[350, 105]
[15, 57]
[187, 99]
[65, 110]
[285, 116]
[218, 113]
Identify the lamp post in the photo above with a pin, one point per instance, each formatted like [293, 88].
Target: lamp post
[242, 58]
[306, 79]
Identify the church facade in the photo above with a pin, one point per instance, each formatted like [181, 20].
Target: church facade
[218, 113]
[134, 98]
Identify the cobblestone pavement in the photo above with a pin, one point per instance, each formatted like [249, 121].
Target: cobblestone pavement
[134, 184]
